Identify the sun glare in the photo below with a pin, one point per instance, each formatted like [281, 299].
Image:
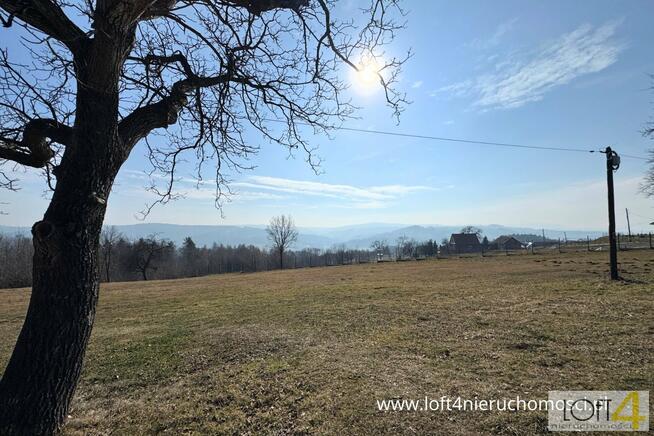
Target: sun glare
[366, 79]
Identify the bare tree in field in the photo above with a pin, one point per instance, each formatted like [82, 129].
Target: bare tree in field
[147, 253]
[282, 233]
[380, 247]
[99, 76]
[108, 239]
[472, 230]
[406, 247]
[409, 249]
[648, 184]
[399, 246]
[15, 261]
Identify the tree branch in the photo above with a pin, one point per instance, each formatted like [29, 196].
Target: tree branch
[33, 149]
[163, 113]
[47, 17]
[257, 7]
[157, 8]
[214, 68]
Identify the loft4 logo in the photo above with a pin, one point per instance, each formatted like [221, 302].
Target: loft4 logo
[632, 400]
[598, 411]
[586, 410]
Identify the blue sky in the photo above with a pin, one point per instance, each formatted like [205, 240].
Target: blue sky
[550, 73]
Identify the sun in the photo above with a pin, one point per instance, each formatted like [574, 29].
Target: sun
[365, 79]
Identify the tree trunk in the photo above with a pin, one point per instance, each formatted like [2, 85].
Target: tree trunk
[281, 258]
[108, 265]
[40, 379]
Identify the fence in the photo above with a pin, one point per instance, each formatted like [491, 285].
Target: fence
[624, 242]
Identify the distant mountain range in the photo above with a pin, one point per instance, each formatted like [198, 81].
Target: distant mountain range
[355, 236]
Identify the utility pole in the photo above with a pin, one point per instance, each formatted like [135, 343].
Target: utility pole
[628, 224]
[612, 164]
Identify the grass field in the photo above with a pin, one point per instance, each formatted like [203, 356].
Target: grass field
[310, 351]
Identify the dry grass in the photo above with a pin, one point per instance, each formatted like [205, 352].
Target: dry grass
[309, 351]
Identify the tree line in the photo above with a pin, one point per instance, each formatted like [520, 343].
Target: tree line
[155, 258]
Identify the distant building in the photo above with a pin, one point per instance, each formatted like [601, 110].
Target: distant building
[507, 243]
[461, 243]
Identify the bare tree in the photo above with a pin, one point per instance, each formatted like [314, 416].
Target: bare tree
[380, 247]
[472, 230]
[647, 186]
[409, 249]
[109, 237]
[282, 233]
[445, 246]
[98, 84]
[399, 247]
[15, 258]
[406, 247]
[147, 252]
[339, 250]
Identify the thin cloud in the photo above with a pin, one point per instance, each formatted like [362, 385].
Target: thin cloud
[494, 40]
[515, 83]
[459, 89]
[369, 197]
[275, 189]
[240, 196]
[397, 190]
[417, 84]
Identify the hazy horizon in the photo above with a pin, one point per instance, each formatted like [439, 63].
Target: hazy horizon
[362, 224]
[357, 236]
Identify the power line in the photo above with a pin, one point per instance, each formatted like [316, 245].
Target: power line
[466, 141]
[634, 157]
[640, 216]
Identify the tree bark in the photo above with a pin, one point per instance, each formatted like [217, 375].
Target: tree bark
[40, 379]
